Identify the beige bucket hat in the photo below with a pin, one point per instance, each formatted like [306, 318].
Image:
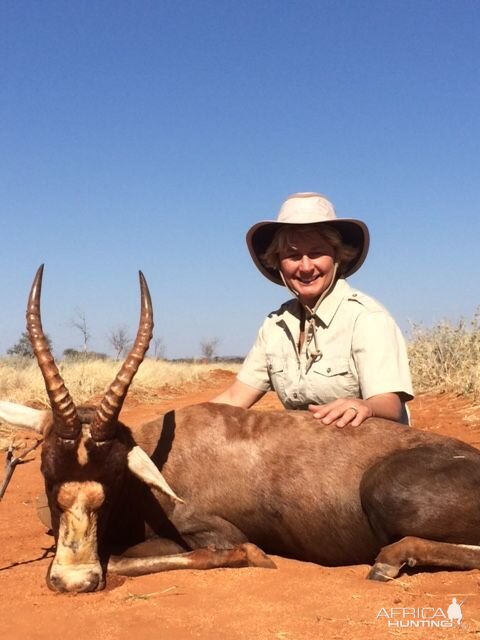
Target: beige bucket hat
[308, 208]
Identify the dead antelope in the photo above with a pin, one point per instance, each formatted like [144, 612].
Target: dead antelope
[380, 493]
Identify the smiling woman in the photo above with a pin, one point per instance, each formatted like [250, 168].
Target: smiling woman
[306, 261]
[331, 349]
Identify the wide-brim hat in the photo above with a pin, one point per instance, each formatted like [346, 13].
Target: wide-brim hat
[308, 208]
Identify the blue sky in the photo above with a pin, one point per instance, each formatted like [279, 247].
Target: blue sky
[152, 135]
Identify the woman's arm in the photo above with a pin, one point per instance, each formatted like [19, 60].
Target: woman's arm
[239, 394]
[381, 360]
[355, 410]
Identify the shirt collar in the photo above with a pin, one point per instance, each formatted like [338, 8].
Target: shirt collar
[326, 310]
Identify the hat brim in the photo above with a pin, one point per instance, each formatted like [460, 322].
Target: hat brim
[353, 232]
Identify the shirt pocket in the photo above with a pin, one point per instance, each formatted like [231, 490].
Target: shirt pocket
[331, 367]
[277, 372]
[334, 379]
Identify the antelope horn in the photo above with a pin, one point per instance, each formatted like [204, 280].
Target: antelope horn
[66, 422]
[105, 422]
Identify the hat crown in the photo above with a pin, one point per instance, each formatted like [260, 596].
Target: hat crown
[305, 208]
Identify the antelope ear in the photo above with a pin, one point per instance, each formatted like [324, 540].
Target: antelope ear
[145, 470]
[24, 417]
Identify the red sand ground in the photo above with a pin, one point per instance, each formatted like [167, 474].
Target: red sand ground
[295, 601]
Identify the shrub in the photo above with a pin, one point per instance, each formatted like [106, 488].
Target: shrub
[446, 357]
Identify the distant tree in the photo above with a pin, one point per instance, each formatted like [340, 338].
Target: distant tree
[79, 321]
[209, 348]
[23, 348]
[71, 354]
[120, 341]
[74, 354]
[159, 348]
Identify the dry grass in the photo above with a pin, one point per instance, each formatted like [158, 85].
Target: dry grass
[21, 381]
[446, 357]
[86, 380]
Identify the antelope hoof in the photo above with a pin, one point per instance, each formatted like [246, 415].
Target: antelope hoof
[257, 558]
[382, 572]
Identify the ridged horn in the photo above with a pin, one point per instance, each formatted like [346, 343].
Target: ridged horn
[66, 422]
[105, 422]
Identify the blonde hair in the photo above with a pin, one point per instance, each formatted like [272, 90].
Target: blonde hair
[283, 240]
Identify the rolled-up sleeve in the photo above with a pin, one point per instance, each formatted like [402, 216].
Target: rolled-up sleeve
[254, 370]
[380, 355]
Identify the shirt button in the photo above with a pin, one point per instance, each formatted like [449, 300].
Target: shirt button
[295, 395]
[329, 370]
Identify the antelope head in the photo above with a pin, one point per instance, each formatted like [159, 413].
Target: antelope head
[84, 457]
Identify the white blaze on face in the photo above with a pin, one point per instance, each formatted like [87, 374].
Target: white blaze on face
[82, 453]
[76, 566]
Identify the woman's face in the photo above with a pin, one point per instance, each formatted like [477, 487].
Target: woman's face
[307, 266]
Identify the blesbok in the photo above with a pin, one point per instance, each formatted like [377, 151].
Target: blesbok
[211, 485]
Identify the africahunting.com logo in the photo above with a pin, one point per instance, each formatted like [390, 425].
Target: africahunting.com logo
[423, 617]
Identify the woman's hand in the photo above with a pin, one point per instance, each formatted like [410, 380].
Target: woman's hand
[354, 411]
[342, 412]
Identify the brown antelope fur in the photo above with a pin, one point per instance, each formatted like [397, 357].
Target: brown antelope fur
[381, 493]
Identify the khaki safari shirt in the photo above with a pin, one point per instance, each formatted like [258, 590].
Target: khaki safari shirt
[362, 352]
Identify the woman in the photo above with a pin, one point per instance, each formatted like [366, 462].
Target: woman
[331, 349]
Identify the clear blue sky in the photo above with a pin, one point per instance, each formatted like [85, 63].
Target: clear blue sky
[151, 135]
